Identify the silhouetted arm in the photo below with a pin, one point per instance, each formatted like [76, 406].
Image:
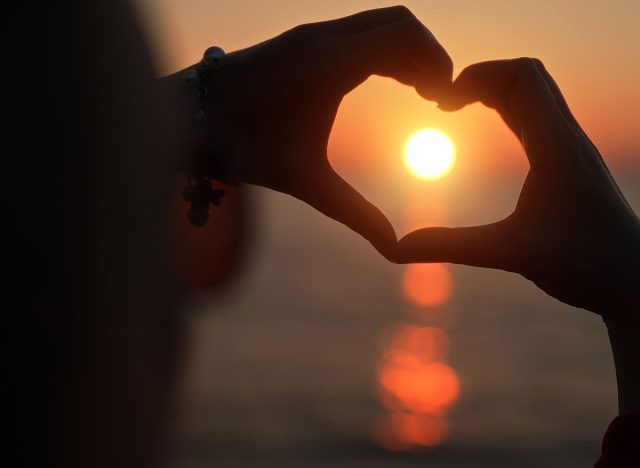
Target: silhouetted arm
[625, 345]
[271, 108]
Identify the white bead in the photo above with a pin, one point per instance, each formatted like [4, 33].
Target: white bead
[191, 77]
[213, 58]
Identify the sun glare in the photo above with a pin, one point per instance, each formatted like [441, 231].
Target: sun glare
[429, 154]
[427, 284]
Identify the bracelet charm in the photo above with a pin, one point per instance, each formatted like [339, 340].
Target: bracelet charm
[199, 193]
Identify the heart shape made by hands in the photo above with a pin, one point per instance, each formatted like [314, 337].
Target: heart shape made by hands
[271, 110]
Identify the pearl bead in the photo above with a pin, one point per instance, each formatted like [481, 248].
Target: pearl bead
[213, 58]
[191, 77]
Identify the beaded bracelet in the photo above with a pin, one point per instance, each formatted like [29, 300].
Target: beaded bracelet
[199, 192]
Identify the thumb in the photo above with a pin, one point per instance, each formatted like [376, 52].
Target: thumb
[483, 246]
[333, 196]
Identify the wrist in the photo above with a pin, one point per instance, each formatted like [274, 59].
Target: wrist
[179, 99]
[622, 308]
[621, 315]
[625, 347]
[197, 120]
[620, 300]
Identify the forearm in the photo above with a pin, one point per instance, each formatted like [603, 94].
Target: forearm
[180, 104]
[625, 345]
[623, 326]
[201, 124]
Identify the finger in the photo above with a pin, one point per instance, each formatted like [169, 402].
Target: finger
[519, 92]
[405, 50]
[363, 21]
[568, 115]
[562, 102]
[330, 194]
[557, 94]
[483, 246]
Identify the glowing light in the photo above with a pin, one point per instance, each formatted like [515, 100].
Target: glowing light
[415, 385]
[427, 284]
[429, 154]
[412, 377]
[422, 389]
[428, 344]
[421, 212]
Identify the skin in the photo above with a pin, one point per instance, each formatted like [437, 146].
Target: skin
[273, 105]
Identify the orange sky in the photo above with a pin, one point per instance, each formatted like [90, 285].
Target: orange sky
[591, 47]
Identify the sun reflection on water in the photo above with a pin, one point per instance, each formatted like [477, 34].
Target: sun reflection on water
[415, 385]
[427, 284]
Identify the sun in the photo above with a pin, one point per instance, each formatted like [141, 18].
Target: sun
[429, 153]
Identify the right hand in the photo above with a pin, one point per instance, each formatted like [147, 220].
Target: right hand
[572, 233]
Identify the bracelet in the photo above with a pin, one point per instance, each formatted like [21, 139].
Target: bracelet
[199, 192]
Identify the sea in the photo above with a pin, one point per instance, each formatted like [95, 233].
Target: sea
[282, 367]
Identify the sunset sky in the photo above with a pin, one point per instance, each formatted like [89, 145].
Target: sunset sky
[591, 47]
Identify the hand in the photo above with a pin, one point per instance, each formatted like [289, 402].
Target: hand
[572, 233]
[272, 107]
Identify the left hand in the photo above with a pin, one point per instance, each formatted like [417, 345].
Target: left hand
[272, 107]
